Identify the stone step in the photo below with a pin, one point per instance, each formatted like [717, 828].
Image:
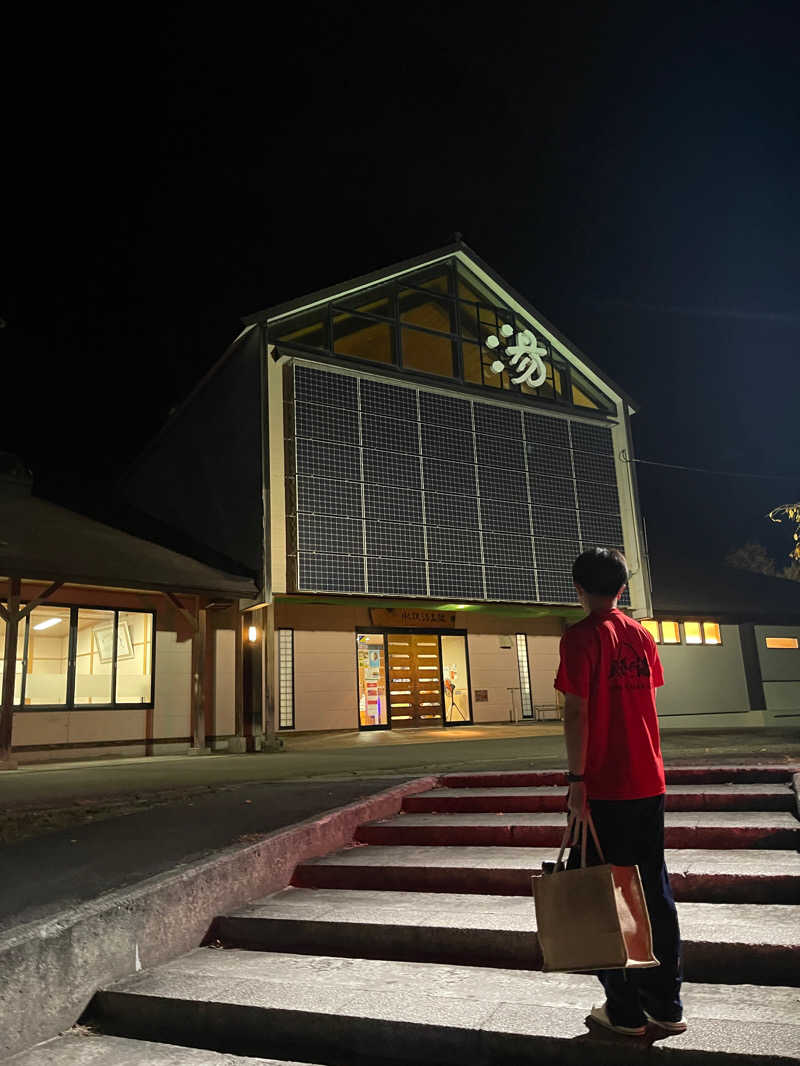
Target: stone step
[725, 942]
[696, 875]
[351, 1012]
[747, 797]
[675, 775]
[702, 829]
[82, 1048]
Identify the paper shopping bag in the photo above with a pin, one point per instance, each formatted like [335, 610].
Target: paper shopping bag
[592, 917]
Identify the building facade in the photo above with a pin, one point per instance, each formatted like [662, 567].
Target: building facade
[433, 456]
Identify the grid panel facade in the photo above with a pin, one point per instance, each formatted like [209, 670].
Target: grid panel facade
[326, 423]
[391, 468]
[448, 544]
[507, 583]
[398, 490]
[316, 495]
[395, 540]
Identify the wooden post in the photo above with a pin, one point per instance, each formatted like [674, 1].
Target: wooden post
[9, 675]
[198, 695]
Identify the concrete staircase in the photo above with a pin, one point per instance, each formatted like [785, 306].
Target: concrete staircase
[418, 944]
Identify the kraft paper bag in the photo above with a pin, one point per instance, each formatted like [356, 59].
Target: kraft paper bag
[592, 917]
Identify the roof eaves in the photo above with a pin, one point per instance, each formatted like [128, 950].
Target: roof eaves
[570, 345]
[354, 283]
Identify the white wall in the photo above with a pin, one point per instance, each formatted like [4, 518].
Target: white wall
[325, 682]
[543, 658]
[495, 669]
[224, 682]
[705, 685]
[173, 687]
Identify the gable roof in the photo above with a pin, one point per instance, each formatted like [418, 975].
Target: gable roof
[42, 541]
[470, 259]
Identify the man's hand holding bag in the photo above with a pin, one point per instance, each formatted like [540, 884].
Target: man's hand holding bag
[592, 917]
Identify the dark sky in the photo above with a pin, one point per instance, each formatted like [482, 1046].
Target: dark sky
[633, 171]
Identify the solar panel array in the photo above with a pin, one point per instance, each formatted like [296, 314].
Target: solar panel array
[396, 490]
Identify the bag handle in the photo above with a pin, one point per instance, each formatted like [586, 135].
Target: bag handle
[583, 835]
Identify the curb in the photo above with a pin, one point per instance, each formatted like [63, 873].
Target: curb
[51, 968]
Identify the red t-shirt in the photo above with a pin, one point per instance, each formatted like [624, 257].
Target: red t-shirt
[610, 660]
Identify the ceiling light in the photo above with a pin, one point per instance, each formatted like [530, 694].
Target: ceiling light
[48, 623]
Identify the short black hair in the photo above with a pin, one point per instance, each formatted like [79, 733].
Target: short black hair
[600, 571]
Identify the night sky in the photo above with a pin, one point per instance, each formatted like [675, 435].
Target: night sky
[633, 172]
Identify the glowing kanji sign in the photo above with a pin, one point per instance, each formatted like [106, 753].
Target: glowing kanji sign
[525, 356]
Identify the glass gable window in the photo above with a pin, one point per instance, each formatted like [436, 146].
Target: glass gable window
[77, 657]
[435, 321]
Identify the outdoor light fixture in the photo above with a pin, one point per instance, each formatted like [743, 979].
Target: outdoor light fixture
[48, 623]
[252, 634]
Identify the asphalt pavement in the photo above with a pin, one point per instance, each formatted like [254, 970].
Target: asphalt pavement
[71, 832]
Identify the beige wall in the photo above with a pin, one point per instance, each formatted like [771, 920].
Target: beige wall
[543, 659]
[173, 687]
[493, 668]
[325, 682]
[77, 727]
[325, 678]
[224, 682]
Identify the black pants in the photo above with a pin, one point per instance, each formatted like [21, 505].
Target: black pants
[631, 833]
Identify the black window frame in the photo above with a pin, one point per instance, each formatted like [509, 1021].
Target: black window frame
[554, 360]
[70, 704]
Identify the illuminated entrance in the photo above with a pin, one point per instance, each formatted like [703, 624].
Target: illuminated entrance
[409, 679]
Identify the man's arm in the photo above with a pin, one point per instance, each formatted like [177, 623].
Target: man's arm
[576, 735]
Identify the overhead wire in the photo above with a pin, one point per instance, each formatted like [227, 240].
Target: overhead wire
[704, 470]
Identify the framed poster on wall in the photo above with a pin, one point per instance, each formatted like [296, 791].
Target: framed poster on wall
[104, 639]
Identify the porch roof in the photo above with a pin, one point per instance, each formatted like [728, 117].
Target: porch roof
[40, 540]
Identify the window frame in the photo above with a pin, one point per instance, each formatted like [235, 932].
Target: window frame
[278, 633]
[500, 385]
[70, 704]
[787, 646]
[701, 622]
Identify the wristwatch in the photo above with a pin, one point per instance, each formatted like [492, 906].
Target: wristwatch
[574, 777]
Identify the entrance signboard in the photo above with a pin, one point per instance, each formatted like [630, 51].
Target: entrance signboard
[412, 617]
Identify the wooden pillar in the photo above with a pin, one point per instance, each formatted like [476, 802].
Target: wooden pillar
[198, 683]
[9, 675]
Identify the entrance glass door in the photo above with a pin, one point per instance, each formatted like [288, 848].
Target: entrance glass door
[415, 687]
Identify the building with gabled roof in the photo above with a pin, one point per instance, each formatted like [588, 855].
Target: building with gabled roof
[409, 462]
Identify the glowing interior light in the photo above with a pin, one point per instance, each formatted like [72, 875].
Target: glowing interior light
[252, 634]
[48, 623]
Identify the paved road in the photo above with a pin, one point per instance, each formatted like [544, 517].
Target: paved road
[44, 875]
[77, 830]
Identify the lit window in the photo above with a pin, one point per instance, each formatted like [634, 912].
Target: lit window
[693, 632]
[711, 634]
[652, 628]
[782, 642]
[671, 633]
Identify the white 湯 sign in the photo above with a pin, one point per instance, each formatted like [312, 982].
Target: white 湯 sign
[524, 356]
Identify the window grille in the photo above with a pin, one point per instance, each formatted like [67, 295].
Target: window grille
[526, 699]
[286, 678]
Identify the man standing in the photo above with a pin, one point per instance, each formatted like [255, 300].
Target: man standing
[609, 671]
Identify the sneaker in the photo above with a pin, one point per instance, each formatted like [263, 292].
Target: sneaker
[678, 1026]
[600, 1015]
